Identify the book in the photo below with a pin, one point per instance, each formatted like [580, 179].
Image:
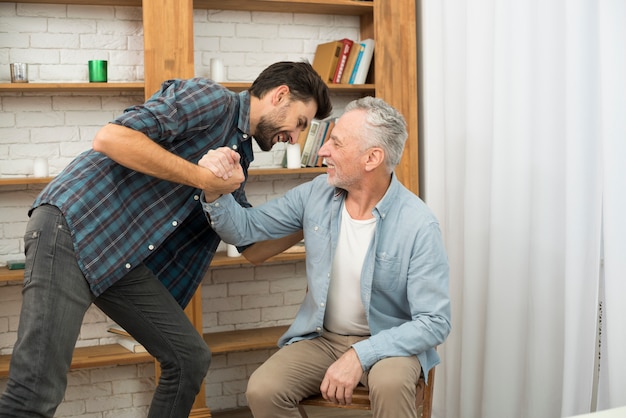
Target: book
[319, 137]
[326, 58]
[365, 61]
[355, 69]
[126, 341]
[331, 125]
[310, 138]
[315, 145]
[343, 58]
[131, 345]
[16, 264]
[347, 71]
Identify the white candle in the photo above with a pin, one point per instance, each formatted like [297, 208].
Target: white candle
[217, 70]
[293, 155]
[40, 167]
[231, 251]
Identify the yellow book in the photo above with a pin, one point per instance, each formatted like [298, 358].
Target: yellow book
[325, 60]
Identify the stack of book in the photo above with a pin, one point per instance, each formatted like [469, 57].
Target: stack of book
[344, 61]
[312, 139]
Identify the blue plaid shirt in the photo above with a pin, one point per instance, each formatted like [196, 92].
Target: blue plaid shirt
[121, 218]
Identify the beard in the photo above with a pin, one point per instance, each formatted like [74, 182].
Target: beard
[268, 127]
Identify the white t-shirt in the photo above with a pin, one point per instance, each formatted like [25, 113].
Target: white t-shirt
[345, 314]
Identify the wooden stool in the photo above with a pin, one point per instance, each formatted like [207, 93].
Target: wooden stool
[361, 400]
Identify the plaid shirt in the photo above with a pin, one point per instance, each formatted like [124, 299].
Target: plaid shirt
[120, 218]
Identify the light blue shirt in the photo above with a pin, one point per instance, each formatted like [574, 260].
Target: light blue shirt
[404, 280]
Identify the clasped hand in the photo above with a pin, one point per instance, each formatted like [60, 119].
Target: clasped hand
[227, 172]
[341, 378]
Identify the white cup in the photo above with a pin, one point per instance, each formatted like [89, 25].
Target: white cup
[231, 251]
[217, 70]
[40, 167]
[293, 155]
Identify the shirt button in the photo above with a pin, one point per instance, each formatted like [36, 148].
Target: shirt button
[127, 266]
[175, 223]
[151, 247]
[217, 204]
[235, 147]
[196, 197]
[322, 304]
[245, 136]
[318, 329]
[316, 228]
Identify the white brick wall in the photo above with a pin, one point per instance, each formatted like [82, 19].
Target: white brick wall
[57, 41]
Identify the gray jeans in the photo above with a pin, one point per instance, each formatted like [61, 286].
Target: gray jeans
[55, 299]
[296, 371]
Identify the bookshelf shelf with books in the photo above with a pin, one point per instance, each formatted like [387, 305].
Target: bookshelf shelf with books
[344, 61]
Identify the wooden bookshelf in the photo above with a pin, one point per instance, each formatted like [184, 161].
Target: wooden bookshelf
[170, 22]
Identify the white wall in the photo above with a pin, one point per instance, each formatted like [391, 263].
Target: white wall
[57, 41]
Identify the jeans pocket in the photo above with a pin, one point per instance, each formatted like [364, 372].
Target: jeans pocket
[31, 244]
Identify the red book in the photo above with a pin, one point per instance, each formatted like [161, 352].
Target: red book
[343, 58]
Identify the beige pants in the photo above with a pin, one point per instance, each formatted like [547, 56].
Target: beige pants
[296, 371]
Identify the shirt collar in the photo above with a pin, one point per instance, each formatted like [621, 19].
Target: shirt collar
[386, 203]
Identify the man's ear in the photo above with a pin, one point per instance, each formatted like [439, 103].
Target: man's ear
[280, 94]
[375, 157]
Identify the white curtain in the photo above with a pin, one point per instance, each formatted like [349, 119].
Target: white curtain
[524, 163]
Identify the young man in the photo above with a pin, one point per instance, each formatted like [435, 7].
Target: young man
[377, 302]
[122, 227]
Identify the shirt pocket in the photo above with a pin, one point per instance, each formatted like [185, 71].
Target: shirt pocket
[387, 272]
[316, 241]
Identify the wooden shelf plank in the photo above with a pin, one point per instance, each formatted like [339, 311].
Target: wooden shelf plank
[139, 87]
[70, 87]
[285, 171]
[135, 3]
[218, 342]
[96, 356]
[220, 260]
[244, 340]
[10, 181]
[7, 275]
[335, 88]
[340, 7]
[272, 171]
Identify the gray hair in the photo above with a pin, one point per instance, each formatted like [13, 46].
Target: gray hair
[384, 127]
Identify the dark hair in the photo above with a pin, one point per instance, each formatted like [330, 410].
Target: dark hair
[303, 81]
